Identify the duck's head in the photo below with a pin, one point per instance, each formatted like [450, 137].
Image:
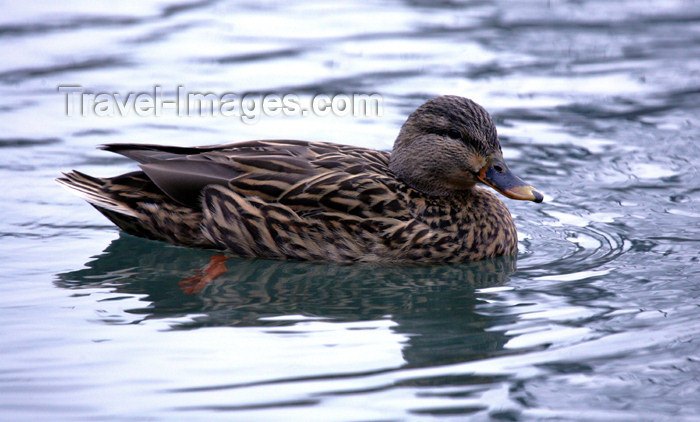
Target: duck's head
[448, 145]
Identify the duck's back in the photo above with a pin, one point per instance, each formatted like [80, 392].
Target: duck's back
[306, 176]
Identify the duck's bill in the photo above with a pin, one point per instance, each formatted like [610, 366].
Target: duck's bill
[497, 175]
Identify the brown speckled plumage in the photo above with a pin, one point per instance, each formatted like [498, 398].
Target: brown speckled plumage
[321, 201]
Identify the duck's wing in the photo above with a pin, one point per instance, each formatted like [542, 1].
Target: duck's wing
[182, 172]
[309, 177]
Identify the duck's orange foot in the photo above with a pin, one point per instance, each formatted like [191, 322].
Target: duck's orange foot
[216, 268]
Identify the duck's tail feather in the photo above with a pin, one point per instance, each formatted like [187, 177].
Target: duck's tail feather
[136, 205]
[95, 191]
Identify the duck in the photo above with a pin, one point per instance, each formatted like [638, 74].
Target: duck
[319, 201]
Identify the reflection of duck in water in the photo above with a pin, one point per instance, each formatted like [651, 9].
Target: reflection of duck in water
[264, 287]
[434, 306]
[327, 202]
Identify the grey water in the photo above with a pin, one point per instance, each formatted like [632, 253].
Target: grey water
[597, 104]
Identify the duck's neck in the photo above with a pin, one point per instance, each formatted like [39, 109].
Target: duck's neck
[480, 222]
[415, 175]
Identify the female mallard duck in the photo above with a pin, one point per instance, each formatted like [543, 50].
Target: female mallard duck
[322, 201]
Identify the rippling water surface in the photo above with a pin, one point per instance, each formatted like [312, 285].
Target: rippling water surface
[597, 105]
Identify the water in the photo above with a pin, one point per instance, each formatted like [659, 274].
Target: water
[597, 105]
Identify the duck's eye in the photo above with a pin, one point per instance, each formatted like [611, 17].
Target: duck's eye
[454, 134]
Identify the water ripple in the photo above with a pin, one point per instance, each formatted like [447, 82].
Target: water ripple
[15, 76]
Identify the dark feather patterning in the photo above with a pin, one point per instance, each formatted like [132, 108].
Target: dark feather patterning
[295, 200]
